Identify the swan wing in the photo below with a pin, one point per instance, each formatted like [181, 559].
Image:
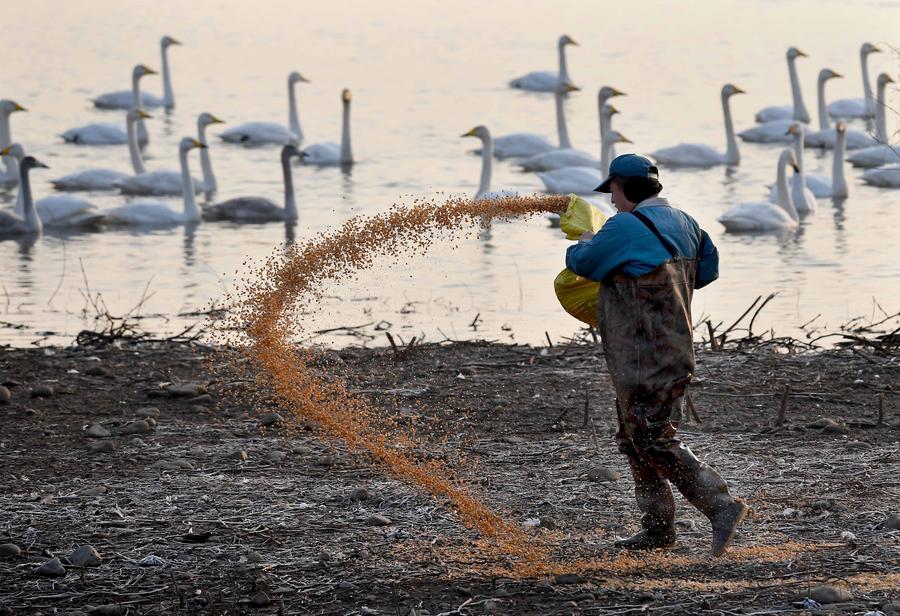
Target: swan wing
[123, 99]
[856, 139]
[143, 213]
[887, 176]
[536, 81]
[244, 209]
[756, 217]
[11, 224]
[689, 155]
[60, 209]
[520, 145]
[770, 132]
[89, 179]
[557, 159]
[774, 112]
[579, 180]
[321, 154]
[101, 133]
[819, 185]
[162, 182]
[875, 156]
[849, 108]
[259, 133]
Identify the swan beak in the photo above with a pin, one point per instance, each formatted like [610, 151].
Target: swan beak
[796, 168]
[18, 107]
[888, 78]
[616, 92]
[836, 75]
[38, 164]
[624, 139]
[143, 114]
[304, 79]
[572, 87]
[612, 110]
[875, 49]
[792, 129]
[801, 54]
[198, 144]
[149, 71]
[574, 42]
[471, 133]
[215, 120]
[4, 151]
[737, 90]
[174, 41]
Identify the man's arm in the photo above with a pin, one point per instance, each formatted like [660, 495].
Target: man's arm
[707, 261]
[603, 253]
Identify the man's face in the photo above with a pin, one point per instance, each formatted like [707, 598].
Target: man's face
[618, 197]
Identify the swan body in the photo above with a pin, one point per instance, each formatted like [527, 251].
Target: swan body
[326, 154]
[10, 175]
[271, 133]
[771, 216]
[30, 222]
[769, 132]
[557, 159]
[570, 157]
[68, 211]
[579, 180]
[547, 81]
[259, 209]
[701, 155]
[882, 154]
[826, 137]
[106, 179]
[484, 192]
[104, 133]
[858, 107]
[153, 213]
[887, 176]
[124, 99]
[797, 111]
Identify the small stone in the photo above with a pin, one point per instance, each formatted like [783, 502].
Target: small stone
[378, 520]
[891, 608]
[85, 556]
[325, 460]
[259, 599]
[269, 419]
[96, 370]
[254, 557]
[5, 396]
[151, 560]
[9, 550]
[147, 411]
[892, 522]
[201, 399]
[548, 523]
[828, 425]
[177, 464]
[324, 556]
[830, 594]
[603, 473]
[186, 390]
[42, 391]
[569, 578]
[275, 457]
[97, 431]
[345, 585]
[51, 568]
[361, 494]
[102, 447]
[94, 491]
[240, 456]
[139, 426]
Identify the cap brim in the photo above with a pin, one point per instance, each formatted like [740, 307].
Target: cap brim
[606, 186]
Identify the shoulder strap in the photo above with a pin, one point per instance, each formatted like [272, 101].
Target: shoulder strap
[666, 243]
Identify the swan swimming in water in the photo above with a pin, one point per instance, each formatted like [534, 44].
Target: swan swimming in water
[822, 185]
[883, 153]
[546, 81]
[583, 180]
[797, 111]
[804, 199]
[325, 154]
[568, 157]
[155, 213]
[105, 133]
[271, 133]
[105, 179]
[701, 155]
[826, 137]
[56, 210]
[260, 209]
[603, 95]
[30, 223]
[169, 182]
[124, 99]
[487, 154]
[766, 216]
[10, 175]
[887, 176]
[858, 107]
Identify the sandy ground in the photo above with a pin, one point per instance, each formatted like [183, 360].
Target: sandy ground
[149, 456]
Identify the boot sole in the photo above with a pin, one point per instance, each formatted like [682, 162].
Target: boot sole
[734, 526]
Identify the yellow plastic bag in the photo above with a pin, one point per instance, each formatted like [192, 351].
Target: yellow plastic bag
[579, 295]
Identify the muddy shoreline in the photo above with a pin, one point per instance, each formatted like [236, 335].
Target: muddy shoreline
[144, 453]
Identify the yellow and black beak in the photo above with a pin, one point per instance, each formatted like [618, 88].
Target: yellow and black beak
[624, 139]
[198, 144]
[471, 133]
[18, 107]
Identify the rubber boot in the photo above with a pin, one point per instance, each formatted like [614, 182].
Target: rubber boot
[655, 500]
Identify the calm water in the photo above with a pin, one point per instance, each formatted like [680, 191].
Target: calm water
[422, 73]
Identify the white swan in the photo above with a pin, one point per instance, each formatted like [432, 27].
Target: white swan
[10, 174]
[761, 217]
[124, 99]
[568, 157]
[822, 185]
[803, 197]
[887, 176]
[826, 137]
[259, 209]
[55, 210]
[169, 182]
[579, 180]
[105, 179]
[797, 111]
[325, 154]
[487, 152]
[105, 133]
[883, 153]
[603, 95]
[522, 145]
[546, 81]
[269, 133]
[858, 107]
[30, 223]
[701, 155]
[154, 213]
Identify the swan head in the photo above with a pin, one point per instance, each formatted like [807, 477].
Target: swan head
[134, 114]
[479, 131]
[618, 137]
[296, 77]
[729, 89]
[189, 143]
[795, 129]
[15, 150]
[609, 92]
[826, 73]
[289, 151]
[345, 95]
[206, 119]
[609, 110]
[841, 127]
[7, 106]
[142, 69]
[167, 40]
[30, 162]
[563, 88]
[565, 39]
[883, 79]
[793, 52]
[789, 158]
[868, 48]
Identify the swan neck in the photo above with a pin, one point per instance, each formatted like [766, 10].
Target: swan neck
[824, 123]
[561, 127]
[605, 122]
[5, 132]
[563, 65]
[168, 92]
[134, 149]
[15, 171]
[32, 220]
[293, 116]
[838, 181]
[346, 149]
[487, 155]
[606, 148]
[732, 154]
[290, 203]
[880, 116]
[191, 211]
[798, 153]
[209, 178]
[785, 201]
[800, 112]
[867, 84]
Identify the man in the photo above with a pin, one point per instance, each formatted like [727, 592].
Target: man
[650, 257]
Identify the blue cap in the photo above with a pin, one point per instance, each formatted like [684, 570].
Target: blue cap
[629, 166]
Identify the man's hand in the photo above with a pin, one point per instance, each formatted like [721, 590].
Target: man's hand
[587, 236]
